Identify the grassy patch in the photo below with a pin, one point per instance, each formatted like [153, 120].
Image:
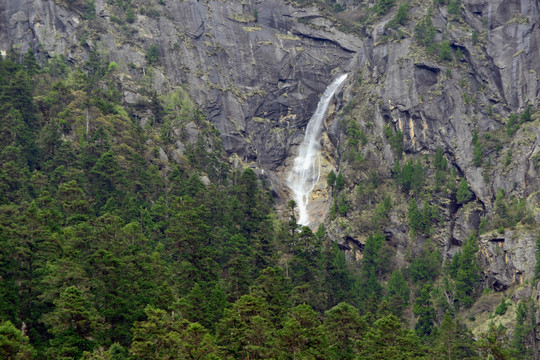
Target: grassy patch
[251, 28]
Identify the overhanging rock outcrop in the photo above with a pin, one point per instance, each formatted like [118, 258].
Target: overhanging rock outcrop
[507, 258]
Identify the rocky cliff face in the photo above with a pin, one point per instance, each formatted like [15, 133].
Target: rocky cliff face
[441, 103]
[254, 66]
[495, 77]
[258, 67]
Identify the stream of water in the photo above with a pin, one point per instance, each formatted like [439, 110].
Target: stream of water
[306, 171]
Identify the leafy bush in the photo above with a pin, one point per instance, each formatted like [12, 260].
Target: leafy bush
[113, 66]
[130, 16]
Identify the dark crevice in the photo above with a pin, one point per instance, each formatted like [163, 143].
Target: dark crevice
[324, 40]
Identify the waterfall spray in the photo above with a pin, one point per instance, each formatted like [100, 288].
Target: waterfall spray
[306, 171]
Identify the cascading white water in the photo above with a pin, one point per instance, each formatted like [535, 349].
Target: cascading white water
[307, 166]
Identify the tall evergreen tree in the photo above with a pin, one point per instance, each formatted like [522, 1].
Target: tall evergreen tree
[372, 266]
[14, 344]
[246, 330]
[465, 272]
[159, 336]
[303, 335]
[454, 341]
[425, 312]
[345, 329]
[75, 325]
[397, 293]
[386, 339]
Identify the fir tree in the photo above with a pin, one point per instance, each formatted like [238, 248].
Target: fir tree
[397, 293]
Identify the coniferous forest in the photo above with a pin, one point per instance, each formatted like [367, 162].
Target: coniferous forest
[125, 236]
[106, 254]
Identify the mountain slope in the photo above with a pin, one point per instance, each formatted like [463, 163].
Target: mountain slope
[434, 143]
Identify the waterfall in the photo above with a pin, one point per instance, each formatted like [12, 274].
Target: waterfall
[307, 166]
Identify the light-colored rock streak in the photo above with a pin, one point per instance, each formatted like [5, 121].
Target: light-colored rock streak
[307, 166]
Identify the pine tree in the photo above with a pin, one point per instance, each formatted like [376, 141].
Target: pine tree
[303, 335]
[107, 179]
[524, 343]
[383, 6]
[386, 339]
[416, 221]
[339, 279]
[245, 330]
[115, 352]
[159, 336]
[397, 293]
[14, 344]
[74, 323]
[494, 343]
[248, 196]
[189, 231]
[331, 179]
[465, 273]
[372, 265]
[345, 328]
[520, 331]
[454, 341]
[537, 266]
[441, 167]
[275, 289]
[425, 312]
[340, 182]
[293, 225]
[463, 194]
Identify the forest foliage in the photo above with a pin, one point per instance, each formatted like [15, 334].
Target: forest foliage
[109, 252]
